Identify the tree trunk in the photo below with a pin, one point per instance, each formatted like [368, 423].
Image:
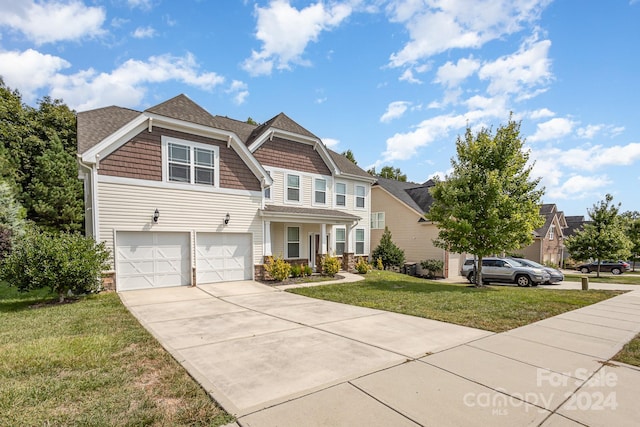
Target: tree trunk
[598, 272]
[479, 282]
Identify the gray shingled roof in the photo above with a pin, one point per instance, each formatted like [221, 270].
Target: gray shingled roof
[95, 125]
[574, 223]
[347, 166]
[242, 129]
[281, 122]
[415, 195]
[339, 215]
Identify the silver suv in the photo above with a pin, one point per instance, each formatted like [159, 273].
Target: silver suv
[505, 271]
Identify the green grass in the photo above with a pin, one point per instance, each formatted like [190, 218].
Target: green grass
[625, 279]
[630, 353]
[90, 363]
[496, 309]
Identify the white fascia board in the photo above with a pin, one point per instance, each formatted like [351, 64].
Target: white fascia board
[371, 180]
[315, 142]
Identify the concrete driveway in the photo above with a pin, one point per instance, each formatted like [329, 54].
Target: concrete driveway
[274, 358]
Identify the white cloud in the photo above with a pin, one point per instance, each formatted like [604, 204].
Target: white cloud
[52, 21]
[144, 33]
[520, 72]
[542, 113]
[331, 143]
[239, 90]
[579, 186]
[42, 68]
[451, 74]
[395, 110]
[286, 31]
[436, 27]
[86, 89]
[552, 129]
[407, 76]
[140, 4]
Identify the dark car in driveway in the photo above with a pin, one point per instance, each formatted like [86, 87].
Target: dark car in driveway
[555, 275]
[613, 267]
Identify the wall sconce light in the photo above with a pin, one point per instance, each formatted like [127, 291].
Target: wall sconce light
[156, 215]
[227, 217]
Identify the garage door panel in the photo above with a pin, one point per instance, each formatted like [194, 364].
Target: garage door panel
[152, 259]
[223, 257]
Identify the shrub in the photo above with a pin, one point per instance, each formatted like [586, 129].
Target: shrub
[330, 265]
[296, 270]
[391, 254]
[277, 268]
[307, 270]
[362, 266]
[432, 266]
[379, 264]
[6, 237]
[62, 262]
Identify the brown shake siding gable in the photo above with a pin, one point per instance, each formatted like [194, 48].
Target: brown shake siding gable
[141, 158]
[291, 155]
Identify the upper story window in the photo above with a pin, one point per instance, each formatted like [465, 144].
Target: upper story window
[293, 188]
[377, 220]
[341, 194]
[360, 196]
[320, 191]
[267, 191]
[552, 231]
[191, 162]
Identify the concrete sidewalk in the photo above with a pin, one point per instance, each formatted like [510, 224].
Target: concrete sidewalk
[274, 358]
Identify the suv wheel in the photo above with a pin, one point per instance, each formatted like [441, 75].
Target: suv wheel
[523, 281]
[471, 278]
[616, 271]
[584, 270]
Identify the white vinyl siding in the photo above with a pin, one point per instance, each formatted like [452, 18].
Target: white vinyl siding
[131, 207]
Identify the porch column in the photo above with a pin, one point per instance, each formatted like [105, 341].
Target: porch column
[323, 239]
[348, 244]
[267, 239]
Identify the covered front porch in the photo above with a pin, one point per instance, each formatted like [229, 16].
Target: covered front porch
[304, 235]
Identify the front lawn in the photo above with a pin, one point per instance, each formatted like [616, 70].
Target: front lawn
[630, 353]
[496, 309]
[90, 362]
[626, 278]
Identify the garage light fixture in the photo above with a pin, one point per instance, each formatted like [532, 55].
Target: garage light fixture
[156, 215]
[227, 217]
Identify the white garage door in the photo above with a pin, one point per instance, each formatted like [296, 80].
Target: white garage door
[152, 260]
[223, 257]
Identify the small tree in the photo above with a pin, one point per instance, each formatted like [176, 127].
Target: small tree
[488, 204]
[603, 237]
[388, 252]
[62, 262]
[349, 155]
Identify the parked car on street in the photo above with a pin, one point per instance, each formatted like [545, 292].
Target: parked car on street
[505, 270]
[555, 274]
[613, 267]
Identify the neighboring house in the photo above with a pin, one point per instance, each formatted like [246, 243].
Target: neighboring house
[183, 197]
[401, 207]
[574, 224]
[548, 243]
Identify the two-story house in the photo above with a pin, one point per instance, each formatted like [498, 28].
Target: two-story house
[184, 197]
[548, 240]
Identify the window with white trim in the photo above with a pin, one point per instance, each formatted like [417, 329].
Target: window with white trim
[191, 163]
[359, 241]
[341, 194]
[293, 242]
[377, 220]
[293, 188]
[341, 236]
[267, 191]
[320, 191]
[361, 192]
[552, 231]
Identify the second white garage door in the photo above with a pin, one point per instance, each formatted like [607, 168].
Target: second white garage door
[223, 257]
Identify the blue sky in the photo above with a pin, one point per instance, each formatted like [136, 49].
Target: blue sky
[395, 81]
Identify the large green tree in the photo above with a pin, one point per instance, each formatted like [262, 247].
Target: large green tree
[603, 237]
[29, 137]
[632, 225]
[489, 204]
[389, 172]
